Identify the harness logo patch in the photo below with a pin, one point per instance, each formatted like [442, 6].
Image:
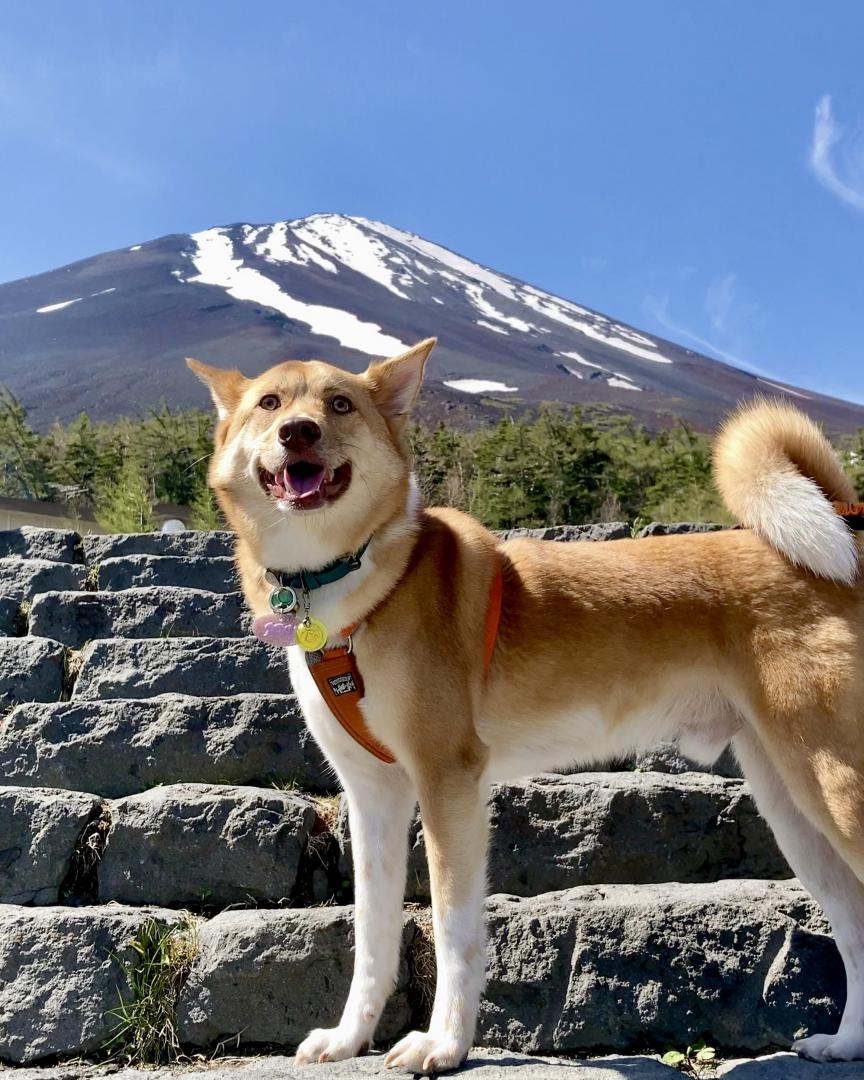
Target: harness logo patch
[342, 684]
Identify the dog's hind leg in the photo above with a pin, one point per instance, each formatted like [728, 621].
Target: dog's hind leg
[380, 804]
[455, 830]
[824, 872]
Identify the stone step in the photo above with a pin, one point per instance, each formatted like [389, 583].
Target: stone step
[554, 832]
[190, 544]
[21, 579]
[247, 843]
[615, 968]
[136, 571]
[123, 747]
[121, 668]
[39, 831]
[61, 975]
[158, 612]
[483, 1063]
[29, 542]
[31, 669]
[205, 845]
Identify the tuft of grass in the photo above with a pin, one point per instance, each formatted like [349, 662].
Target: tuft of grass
[91, 581]
[146, 1028]
[73, 661]
[422, 968]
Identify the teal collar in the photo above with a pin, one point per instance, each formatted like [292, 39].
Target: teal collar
[310, 580]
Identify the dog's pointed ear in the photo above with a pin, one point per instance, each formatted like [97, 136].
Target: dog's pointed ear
[226, 387]
[395, 383]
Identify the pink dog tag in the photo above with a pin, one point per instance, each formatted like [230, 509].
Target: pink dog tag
[275, 629]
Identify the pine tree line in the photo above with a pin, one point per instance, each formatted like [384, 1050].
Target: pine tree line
[559, 466]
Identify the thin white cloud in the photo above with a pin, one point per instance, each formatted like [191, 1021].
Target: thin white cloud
[658, 307]
[836, 159]
[720, 300]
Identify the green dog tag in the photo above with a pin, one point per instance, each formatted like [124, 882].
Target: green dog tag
[283, 599]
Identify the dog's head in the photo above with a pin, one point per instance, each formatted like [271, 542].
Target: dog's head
[313, 449]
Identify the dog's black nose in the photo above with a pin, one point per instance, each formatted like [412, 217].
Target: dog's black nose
[299, 434]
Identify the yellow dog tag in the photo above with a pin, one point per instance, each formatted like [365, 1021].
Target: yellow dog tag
[311, 635]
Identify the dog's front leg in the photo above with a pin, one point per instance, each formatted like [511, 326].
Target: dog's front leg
[380, 804]
[455, 830]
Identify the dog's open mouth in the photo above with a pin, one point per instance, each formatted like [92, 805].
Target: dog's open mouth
[306, 485]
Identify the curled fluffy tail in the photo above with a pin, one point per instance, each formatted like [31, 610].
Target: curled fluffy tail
[777, 473]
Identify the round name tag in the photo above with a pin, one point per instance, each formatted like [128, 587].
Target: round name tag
[283, 599]
[311, 635]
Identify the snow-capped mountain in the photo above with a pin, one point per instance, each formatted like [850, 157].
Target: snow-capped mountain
[108, 334]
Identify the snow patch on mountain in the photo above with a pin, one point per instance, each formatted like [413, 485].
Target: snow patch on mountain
[58, 307]
[275, 248]
[486, 325]
[448, 258]
[475, 295]
[343, 239]
[581, 360]
[480, 386]
[622, 382]
[216, 264]
[785, 389]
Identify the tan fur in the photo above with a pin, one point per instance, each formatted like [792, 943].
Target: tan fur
[601, 648]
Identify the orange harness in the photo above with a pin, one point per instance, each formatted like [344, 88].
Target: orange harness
[852, 513]
[340, 684]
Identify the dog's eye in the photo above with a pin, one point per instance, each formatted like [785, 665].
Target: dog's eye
[269, 402]
[341, 404]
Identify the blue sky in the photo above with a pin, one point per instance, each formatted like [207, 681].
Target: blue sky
[693, 168]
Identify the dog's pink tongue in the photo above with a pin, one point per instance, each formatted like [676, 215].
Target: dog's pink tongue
[303, 484]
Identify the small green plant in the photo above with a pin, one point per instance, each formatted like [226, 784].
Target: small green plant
[638, 524]
[697, 1060]
[162, 956]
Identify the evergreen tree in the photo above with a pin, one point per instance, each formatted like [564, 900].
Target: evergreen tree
[25, 463]
[126, 503]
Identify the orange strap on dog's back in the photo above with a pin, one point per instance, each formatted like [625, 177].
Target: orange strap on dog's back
[340, 684]
[852, 513]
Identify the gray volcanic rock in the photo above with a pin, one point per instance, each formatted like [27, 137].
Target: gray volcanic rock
[141, 571]
[117, 667]
[61, 974]
[676, 528]
[39, 828]
[31, 669]
[610, 530]
[78, 617]
[202, 844]
[23, 578]
[29, 542]
[10, 613]
[624, 965]
[555, 832]
[192, 544]
[121, 747]
[667, 758]
[271, 976]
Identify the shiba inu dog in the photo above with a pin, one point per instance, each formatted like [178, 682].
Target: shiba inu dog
[482, 660]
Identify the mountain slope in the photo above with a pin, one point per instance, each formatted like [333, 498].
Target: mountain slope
[108, 334]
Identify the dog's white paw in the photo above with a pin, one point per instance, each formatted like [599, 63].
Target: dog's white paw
[831, 1047]
[423, 1052]
[330, 1044]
